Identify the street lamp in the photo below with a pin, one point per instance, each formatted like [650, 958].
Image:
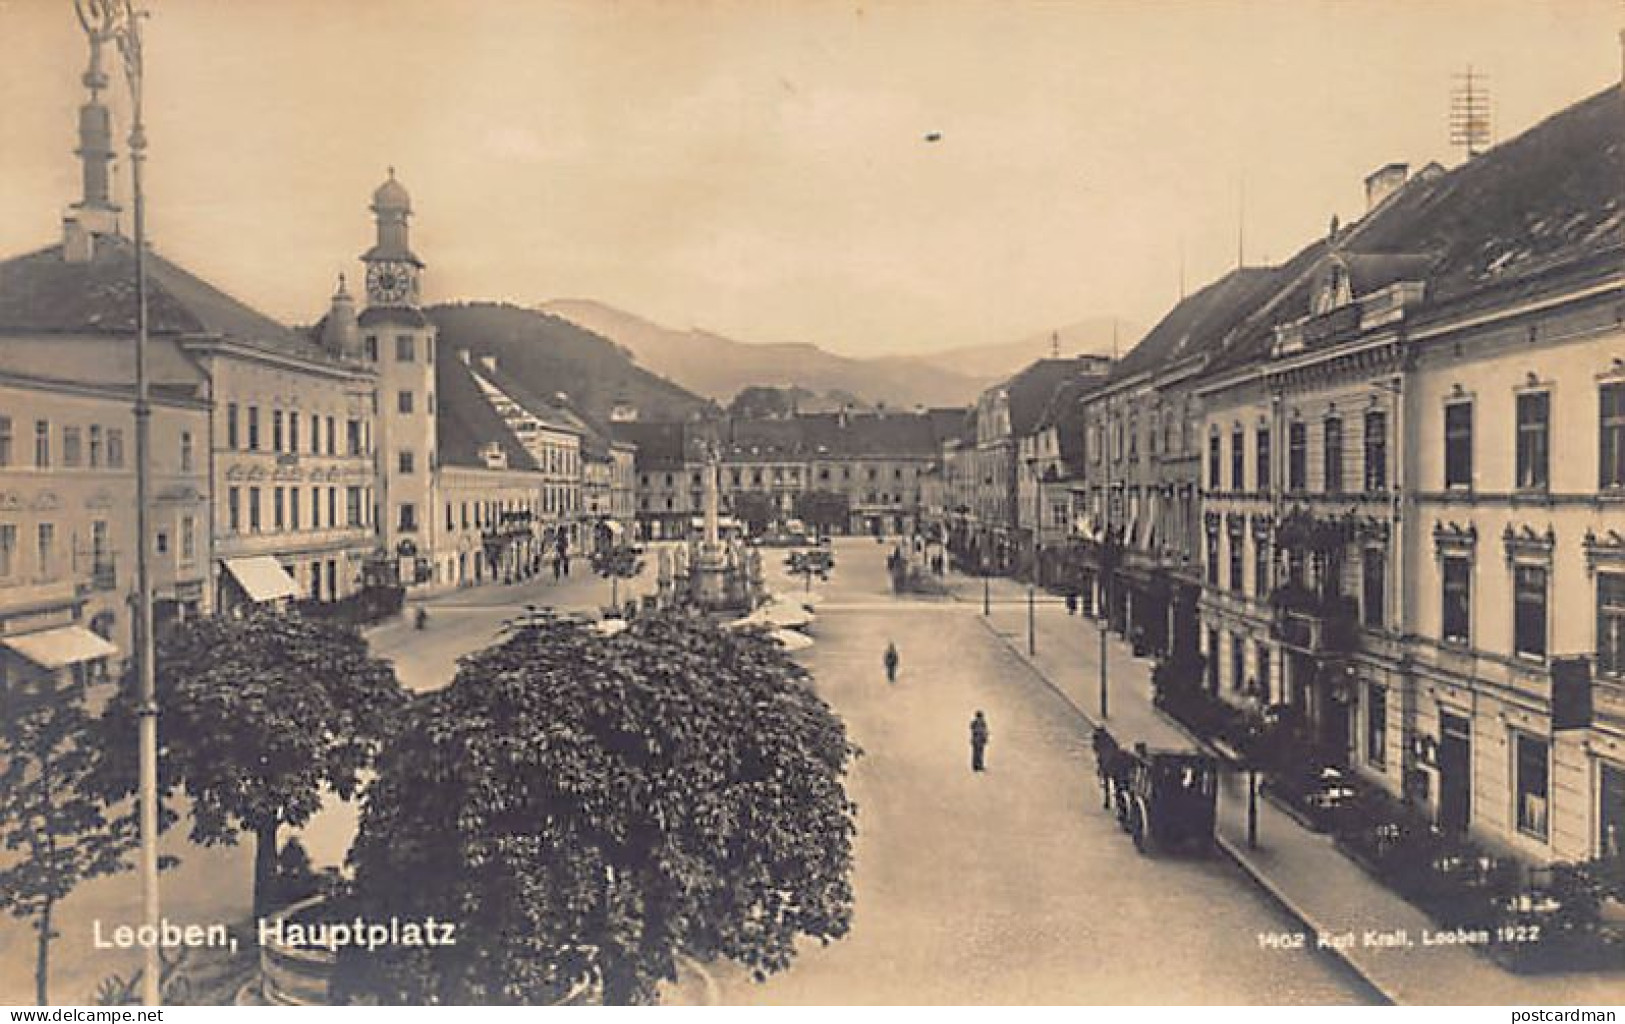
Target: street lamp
[118, 22]
[1032, 565]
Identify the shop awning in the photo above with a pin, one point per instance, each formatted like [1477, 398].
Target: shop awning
[60, 647]
[262, 577]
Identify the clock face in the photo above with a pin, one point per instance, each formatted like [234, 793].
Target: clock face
[389, 284]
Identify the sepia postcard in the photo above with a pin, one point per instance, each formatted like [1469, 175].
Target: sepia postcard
[708, 503]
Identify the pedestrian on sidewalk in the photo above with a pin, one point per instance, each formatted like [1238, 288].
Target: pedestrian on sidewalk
[891, 659]
[978, 742]
[1072, 602]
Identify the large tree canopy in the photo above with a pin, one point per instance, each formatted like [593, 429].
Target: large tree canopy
[259, 716]
[586, 808]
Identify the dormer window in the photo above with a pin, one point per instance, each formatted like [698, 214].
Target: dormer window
[1334, 290]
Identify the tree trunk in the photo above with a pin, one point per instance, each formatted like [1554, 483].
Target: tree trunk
[615, 590]
[42, 963]
[264, 868]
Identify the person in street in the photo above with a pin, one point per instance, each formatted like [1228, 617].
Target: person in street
[978, 743]
[1071, 603]
[422, 617]
[891, 659]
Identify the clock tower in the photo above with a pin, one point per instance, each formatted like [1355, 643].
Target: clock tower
[392, 268]
[399, 341]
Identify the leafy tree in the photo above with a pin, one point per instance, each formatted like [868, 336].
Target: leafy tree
[587, 808]
[757, 401]
[755, 509]
[824, 511]
[260, 715]
[55, 832]
[616, 564]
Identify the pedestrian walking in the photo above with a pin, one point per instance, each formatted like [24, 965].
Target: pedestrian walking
[891, 659]
[978, 742]
[1071, 603]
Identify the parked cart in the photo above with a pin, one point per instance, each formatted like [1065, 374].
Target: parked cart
[1165, 799]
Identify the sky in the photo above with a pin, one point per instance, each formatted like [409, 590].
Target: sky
[762, 169]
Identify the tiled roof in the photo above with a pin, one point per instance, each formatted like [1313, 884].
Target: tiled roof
[465, 422]
[1544, 198]
[1200, 322]
[1030, 390]
[42, 292]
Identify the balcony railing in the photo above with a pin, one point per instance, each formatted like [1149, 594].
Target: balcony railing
[1316, 623]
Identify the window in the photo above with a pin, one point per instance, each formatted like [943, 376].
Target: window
[188, 539]
[1213, 480]
[465, 515]
[428, 350]
[316, 508]
[332, 507]
[231, 426]
[5, 440]
[234, 509]
[370, 344]
[1261, 568]
[1238, 456]
[315, 434]
[115, 448]
[1376, 725]
[332, 436]
[1261, 651]
[8, 549]
[276, 430]
[94, 451]
[72, 446]
[405, 458]
[1532, 772]
[254, 509]
[42, 444]
[1529, 610]
[279, 519]
[1611, 810]
[1611, 624]
[408, 521]
[1373, 586]
[1262, 471]
[352, 508]
[403, 402]
[161, 541]
[1332, 456]
[1612, 448]
[187, 458]
[403, 348]
[1236, 570]
[1456, 621]
[1238, 663]
[1376, 451]
[1297, 469]
[253, 428]
[352, 437]
[293, 432]
[293, 508]
[1458, 444]
[45, 548]
[1534, 424]
[1213, 558]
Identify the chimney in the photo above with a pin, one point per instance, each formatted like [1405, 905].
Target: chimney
[1384, 182]
[490, 363]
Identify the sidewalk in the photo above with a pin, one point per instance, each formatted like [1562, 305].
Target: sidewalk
[1334, 898]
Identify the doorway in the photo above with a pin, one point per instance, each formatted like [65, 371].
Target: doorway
[1455, 772]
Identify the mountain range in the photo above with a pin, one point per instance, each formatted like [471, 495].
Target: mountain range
[718, 367]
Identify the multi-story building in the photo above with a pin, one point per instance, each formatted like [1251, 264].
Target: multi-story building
[1389, 538]
[1049, 463]
[291, 455]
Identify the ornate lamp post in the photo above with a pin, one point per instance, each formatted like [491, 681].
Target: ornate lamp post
[119, 22]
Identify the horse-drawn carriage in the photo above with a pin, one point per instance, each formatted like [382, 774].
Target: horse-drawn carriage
[1165, 799]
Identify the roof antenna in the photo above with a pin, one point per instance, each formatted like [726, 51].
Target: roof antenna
[1241, 224]
[1055, 344]
[1114, 339]
[1470, 112]
[1181, 268]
